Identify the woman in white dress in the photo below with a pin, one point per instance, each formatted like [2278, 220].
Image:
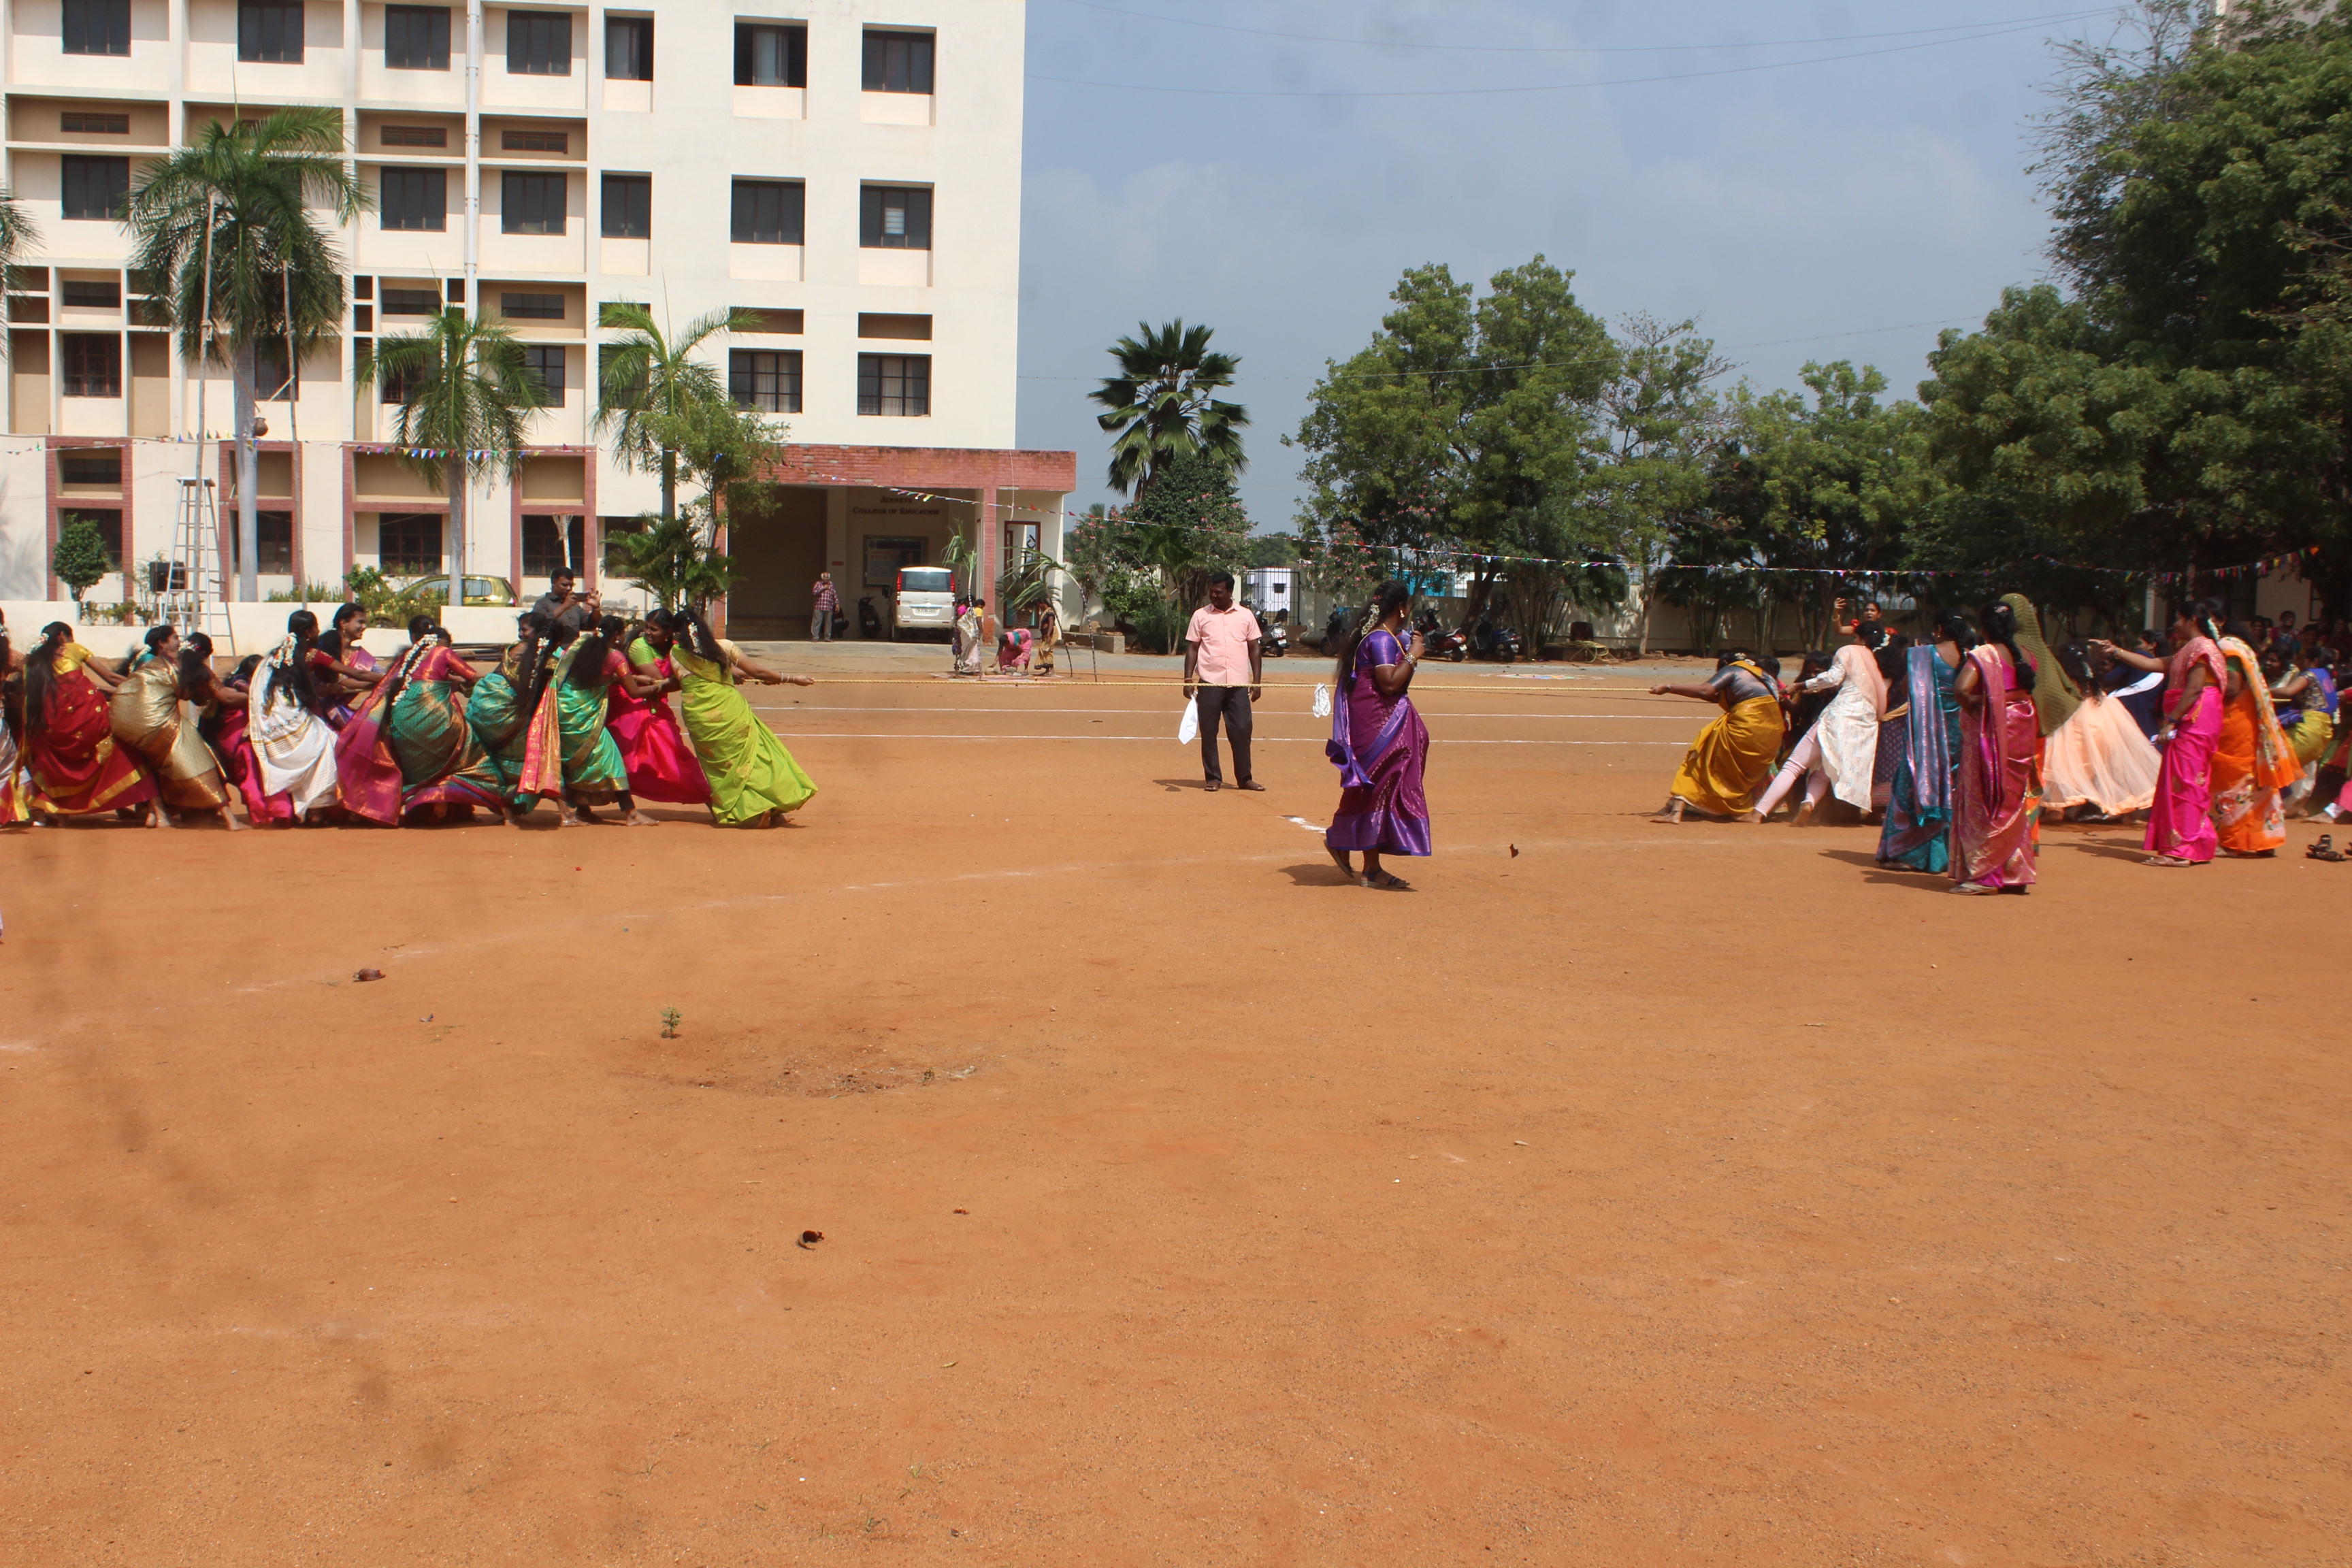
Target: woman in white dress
[1840, 753]
[2098, 757]
[294, 745]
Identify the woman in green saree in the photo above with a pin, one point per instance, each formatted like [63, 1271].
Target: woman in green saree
[754, 781]
[442, 765]
[499, 709]
[567, 750]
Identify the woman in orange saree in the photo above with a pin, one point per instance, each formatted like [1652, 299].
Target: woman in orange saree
[1996, 799]
[70, 748]
[2253, 762]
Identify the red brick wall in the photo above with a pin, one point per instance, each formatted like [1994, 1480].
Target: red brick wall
[928, 467]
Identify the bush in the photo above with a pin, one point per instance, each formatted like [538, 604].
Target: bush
[79, 557]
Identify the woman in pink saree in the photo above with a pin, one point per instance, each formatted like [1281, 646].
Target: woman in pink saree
[2180, 829]
[1997, 798]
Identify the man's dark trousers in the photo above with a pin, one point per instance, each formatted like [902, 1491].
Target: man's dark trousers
[1231, 703]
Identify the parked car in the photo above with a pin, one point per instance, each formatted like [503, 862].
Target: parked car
[925, 601]
[479, 591]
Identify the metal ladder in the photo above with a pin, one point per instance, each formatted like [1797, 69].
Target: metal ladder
[195, 599]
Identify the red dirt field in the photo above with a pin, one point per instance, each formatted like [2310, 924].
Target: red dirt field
[1673, 1196]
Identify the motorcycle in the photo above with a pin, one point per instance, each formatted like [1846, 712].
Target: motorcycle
[1440, 644]
[1277, 640]
[1489, 641]
[869, 623]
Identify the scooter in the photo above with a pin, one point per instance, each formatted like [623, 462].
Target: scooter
[1276, 641]
[869, 624]
[1439, 643]
[1490, 641]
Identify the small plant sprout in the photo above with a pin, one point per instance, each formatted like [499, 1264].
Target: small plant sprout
[671, 1019]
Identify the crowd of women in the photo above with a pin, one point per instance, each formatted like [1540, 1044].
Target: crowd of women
[1958, 743]
[576, 712]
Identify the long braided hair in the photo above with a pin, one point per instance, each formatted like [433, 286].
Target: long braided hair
[41, 674]
[1386, 598]
[2000, 624]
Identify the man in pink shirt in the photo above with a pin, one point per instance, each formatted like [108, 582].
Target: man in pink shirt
[1224, 670]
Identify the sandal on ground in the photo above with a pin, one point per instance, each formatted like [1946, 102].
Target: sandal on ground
[1389, 882]
[1213, 785]
[2324, 849]
[1339, 858]
[1251, 784]
[1975, 888]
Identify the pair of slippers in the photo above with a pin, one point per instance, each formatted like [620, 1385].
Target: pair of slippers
[2324, 849]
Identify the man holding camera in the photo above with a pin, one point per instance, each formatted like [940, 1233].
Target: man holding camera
[564, 605]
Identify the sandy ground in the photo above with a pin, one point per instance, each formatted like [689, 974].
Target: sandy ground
[1690, 1195]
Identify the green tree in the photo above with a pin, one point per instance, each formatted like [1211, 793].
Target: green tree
[19, 237]
[1662, 423]
[1466, 426]
[666, 556]
[660, 403]
[230, 223]
[466, 394]
[79, 557]
[1162, 406]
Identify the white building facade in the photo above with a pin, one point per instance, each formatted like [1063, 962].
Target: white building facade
[847, 170]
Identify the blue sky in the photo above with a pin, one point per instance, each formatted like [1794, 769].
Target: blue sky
[1853, 204]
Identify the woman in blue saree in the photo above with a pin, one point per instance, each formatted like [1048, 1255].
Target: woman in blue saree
[1379, 742]
[1918, 833]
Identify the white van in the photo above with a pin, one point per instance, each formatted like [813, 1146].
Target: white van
[925, 601]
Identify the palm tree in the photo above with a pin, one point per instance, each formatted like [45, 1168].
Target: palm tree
[654, 395]
[466, 394]
[1160, 405]
[227, 226]
[19, 233]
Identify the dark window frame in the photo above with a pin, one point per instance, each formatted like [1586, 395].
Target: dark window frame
[108, 520]
[423, 38]
[628, 48]
[511, 140]
[746, 374]
[523, 206]
[901, 379]
[90, 364]
[110, 35]
[68, 457]
[273, 370]
[87, 122]
[874, 207]
[436, 136]
[631, 217]
[545, 542]
[76, 194]
[538, 43]
[274, 554]
[768, 211]
[521, 306]
[415, 529]
[414, 200]
[411, 301]
[69, 287]
[269, 32]
[787, 55]
[900, 61]
[535, 365]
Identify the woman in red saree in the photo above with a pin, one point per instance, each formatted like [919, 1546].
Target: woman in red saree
[1996, 799]
[654, 749]
[2180, 824]
[367, 772]
[2253, 762]
[70, 748]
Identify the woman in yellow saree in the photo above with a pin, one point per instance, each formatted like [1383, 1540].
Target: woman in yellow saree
[754, 781]
[1734, 756]
[147, 715]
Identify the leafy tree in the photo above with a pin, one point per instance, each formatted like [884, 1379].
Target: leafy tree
[465, 396]
[667, 558]
[19, 237]
[231, 225]
[1262, 549]
[1467, 424]
[661, 403]
[79, 557]
[1162, 404]
[1663, 422]
[389, 602]
[1191, 522]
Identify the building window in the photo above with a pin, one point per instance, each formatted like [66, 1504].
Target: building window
[545, 362]
[275, 558]
[90, 294]
[767, 380]
[269, 32]
[83, 123]
[551, 541]
[273, 370]
[628, 207]
[767, 55]
[395, 389]
[613, 534]
[894, 217]
[769, 212]
[629, 49]
[895, 384]
[415, 199]
[97, 26]
[100, 465]
[535, 142]
[531, 204]
[898, 62]
[408, 543]
[411, 301]
[94, 187]
[93, 363]
[413, 135]
[417, 38]
[531, 307]
[538, 43]
[109, 532]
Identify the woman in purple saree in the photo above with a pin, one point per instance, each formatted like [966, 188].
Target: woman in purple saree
[1379, 742]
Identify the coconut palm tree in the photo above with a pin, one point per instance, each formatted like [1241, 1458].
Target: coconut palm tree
[466, 394]
[653, 396]
[19, 234]
[1160, 405]
[227, 226]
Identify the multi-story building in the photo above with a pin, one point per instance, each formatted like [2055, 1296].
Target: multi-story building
[849, 171]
